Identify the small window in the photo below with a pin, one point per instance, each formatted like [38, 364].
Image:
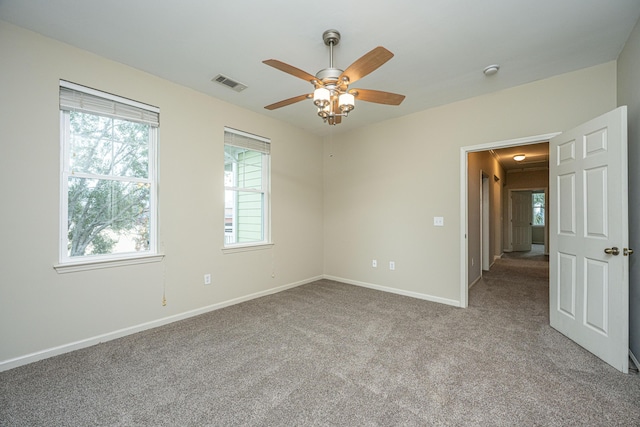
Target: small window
[538, 208]
[246, 184]
[108, 182]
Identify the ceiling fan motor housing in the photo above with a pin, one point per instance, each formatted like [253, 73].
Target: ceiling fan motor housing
[329, 75]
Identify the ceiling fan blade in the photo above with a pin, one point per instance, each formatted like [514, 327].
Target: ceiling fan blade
[377, 96]
[290, 69]
[289, 101]
[366, 64]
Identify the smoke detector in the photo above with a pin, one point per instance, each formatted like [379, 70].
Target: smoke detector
[491, 70]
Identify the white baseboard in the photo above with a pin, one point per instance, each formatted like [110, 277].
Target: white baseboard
[88, 342]
[418, 295]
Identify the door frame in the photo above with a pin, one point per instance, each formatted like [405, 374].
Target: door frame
[464, 192]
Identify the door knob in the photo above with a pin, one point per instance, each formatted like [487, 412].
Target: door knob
[627, 251]
[612, 251]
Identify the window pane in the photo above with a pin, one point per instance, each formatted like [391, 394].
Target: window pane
[245, 167]
[246, 177]
[107, 217]
[538, 208]
[106, 146]
[244, 217]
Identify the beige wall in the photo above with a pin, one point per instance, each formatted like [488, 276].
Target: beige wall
[385, 183]
[478, 163]
[629, 95]
[41, 309]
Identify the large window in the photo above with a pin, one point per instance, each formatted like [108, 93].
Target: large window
[108, 183]
[538, 208]
[246, 184]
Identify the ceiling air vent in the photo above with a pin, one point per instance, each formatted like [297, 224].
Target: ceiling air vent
[230, 83]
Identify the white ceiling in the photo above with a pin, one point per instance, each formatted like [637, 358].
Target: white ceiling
[440, 46]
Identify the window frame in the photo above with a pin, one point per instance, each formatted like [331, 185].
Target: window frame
[67, 263]
[543, 208]
[265, 191]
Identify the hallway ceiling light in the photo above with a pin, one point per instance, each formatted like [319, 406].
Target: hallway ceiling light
[519, 157]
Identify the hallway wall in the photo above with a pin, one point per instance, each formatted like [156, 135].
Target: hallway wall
[479, 162]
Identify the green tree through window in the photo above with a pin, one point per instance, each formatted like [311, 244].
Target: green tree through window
[108, 183]
[538, 208]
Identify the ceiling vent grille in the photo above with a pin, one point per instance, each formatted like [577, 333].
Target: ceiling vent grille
[230, 83]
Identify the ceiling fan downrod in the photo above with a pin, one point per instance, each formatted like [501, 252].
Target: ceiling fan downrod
[330, 95]
[331, 38]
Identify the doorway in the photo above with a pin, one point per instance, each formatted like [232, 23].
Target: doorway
[464, 202]
[521, 217]
[530, 229]
[588, 285]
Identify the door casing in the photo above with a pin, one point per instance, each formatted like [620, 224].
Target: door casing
[464, 193]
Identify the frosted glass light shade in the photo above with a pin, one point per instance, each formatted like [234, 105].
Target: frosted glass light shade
[324, 111]
[321, 97]
[346, 102]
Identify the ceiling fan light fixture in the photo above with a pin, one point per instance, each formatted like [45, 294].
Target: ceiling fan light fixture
[346, 102]
[321, 97]
[324, 112]
[519, 157]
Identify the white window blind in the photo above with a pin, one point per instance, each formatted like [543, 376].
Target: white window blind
[245, 140]
[74, 97]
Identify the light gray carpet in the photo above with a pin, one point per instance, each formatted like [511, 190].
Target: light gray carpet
[334, 354]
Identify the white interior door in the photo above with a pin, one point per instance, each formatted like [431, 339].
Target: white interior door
[588, 288]
[521, 213]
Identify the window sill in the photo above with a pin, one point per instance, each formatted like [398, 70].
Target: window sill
[73, 267]
[246, 248]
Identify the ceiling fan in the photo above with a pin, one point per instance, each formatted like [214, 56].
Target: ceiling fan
[332, 95]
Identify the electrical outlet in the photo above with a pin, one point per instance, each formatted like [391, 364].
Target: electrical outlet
[392, 265]
[207, 279]
[374, 263]
[438, 221]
